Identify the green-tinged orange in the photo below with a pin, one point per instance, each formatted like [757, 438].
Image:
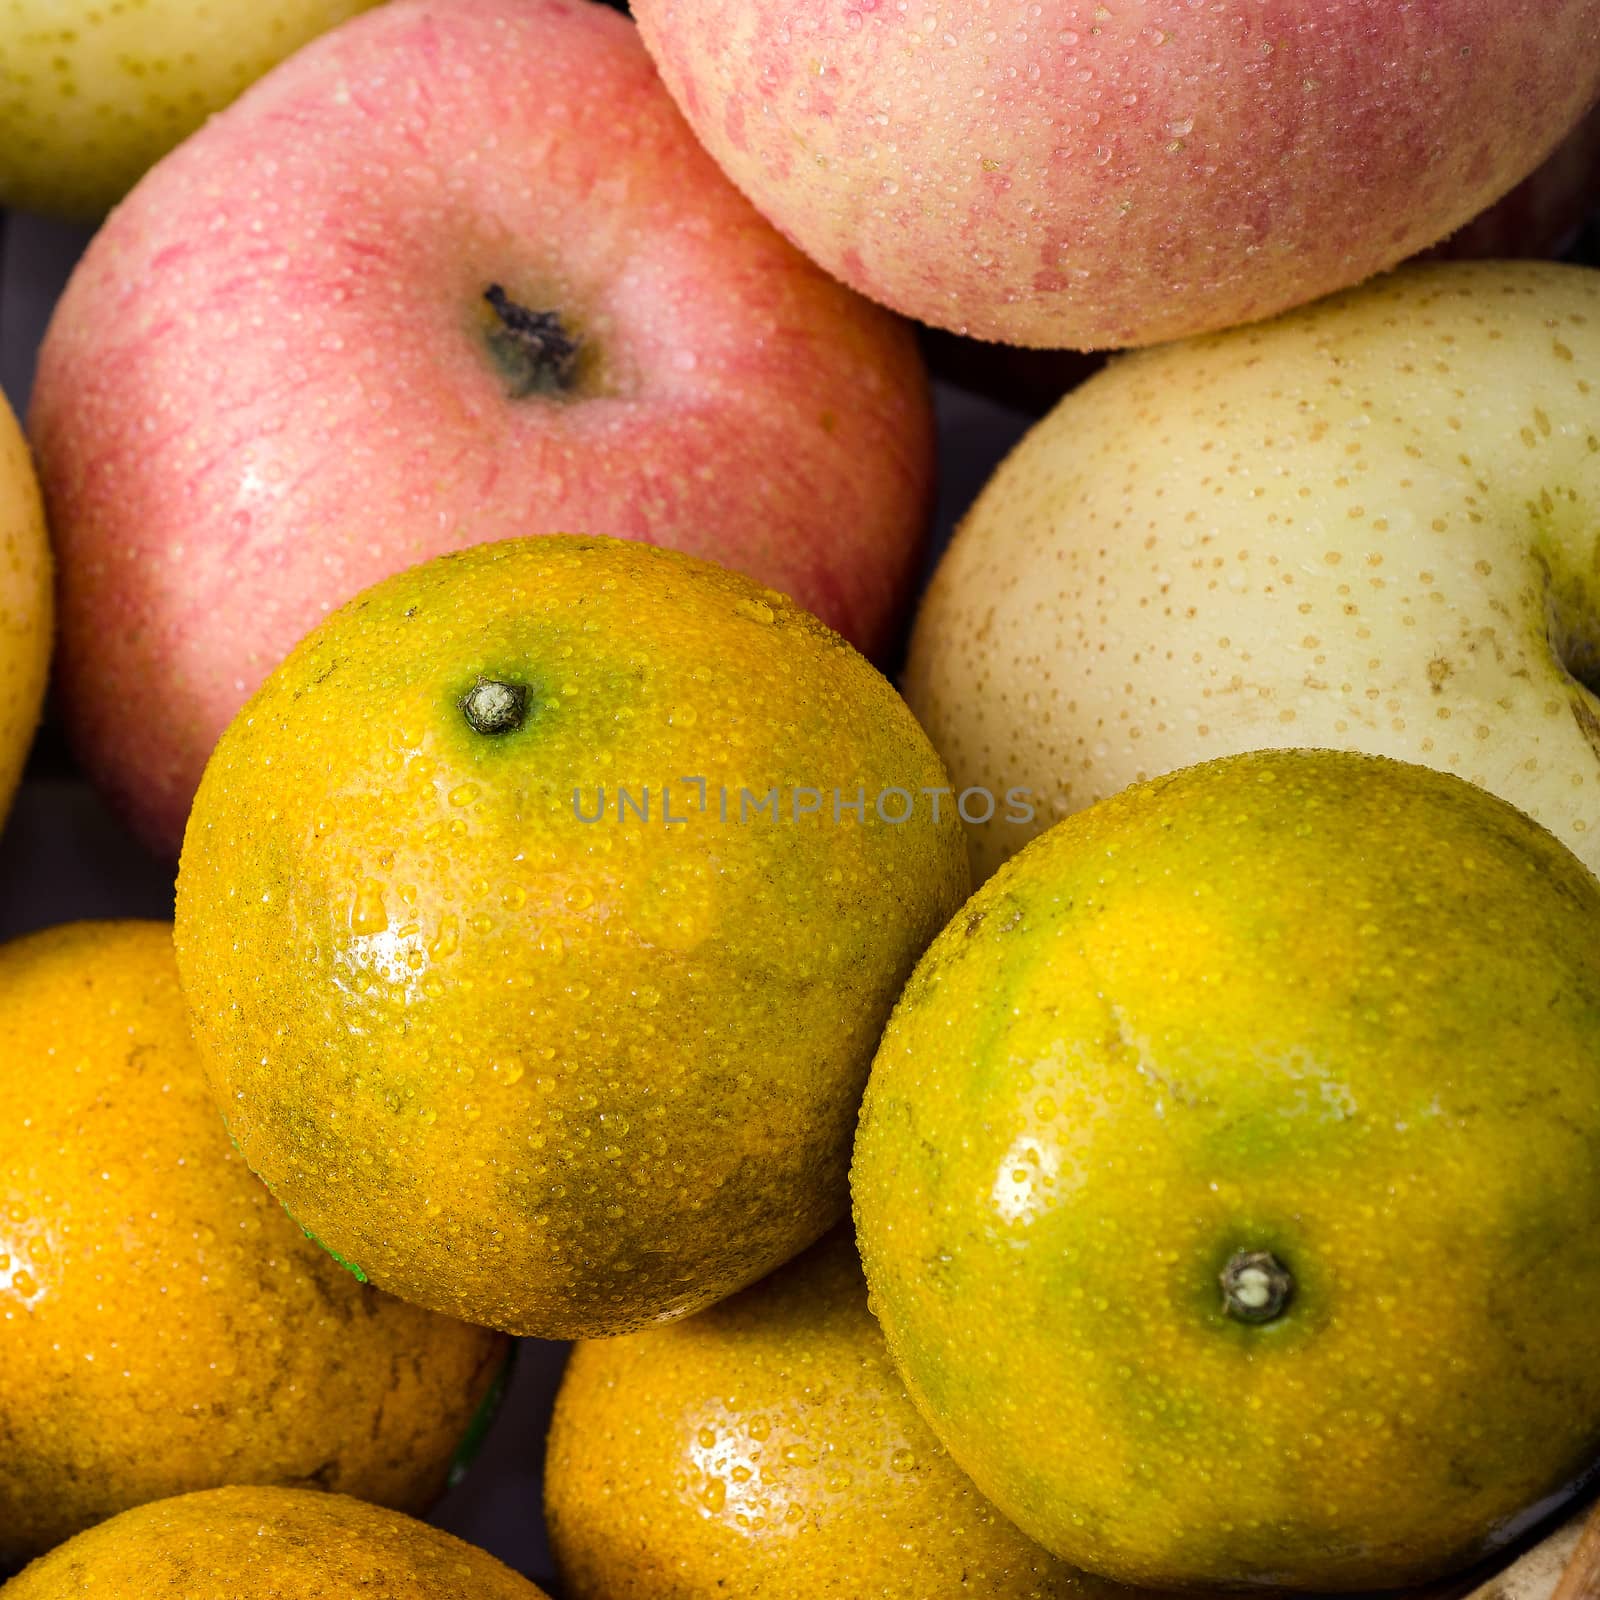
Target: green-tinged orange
[267, 1544]
[767, 1447]
[163, 1325]
[1228, 1182]
[524, 1048]
[26, 607]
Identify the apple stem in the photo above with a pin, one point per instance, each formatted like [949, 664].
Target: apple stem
[532, 348]
[1256, 1286]
[493, 707]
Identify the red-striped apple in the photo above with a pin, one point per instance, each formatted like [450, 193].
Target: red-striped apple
[455, 272]
[1071, 173]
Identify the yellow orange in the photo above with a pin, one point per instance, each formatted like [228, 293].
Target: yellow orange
[164, 1326]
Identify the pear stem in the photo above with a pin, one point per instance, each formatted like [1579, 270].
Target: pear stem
[1581, 1579]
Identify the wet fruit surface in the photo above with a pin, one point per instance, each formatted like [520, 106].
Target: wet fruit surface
[519, 1046]
[1298, 534]
[25, 604]
[767, 1447]
[163, 1326]
[1297, 1015]
[91, 97]
[268, 1544]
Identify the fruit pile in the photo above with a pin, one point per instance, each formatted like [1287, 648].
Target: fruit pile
[1114, 1103]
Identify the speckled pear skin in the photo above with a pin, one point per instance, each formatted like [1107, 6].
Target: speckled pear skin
[1337, 1009]
[269, 382]
[165, 1327]
[1086, 175]
[92, 96]
[26, 605]
[767, 1446]
[1369, 525]
[267, 1544]
[565, 1077]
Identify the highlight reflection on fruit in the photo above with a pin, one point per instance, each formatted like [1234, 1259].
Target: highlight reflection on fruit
[1225, 1180]
[523, 1050]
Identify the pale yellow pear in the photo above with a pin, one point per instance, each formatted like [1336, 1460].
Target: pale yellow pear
[92, 95]
[1370, 526]
[25, 604]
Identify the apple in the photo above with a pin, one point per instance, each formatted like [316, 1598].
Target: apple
[1545, 213]
[457, 272]
[1541, 217]
[93, 94]
[1372, 525]
[1075, 174]
[25, 605]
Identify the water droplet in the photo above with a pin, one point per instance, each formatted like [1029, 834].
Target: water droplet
[367, 915]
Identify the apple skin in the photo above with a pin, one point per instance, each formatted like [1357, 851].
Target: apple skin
[25, 605]
[1371, 525]
[92, 94]
[1545, 213]
[267, 384]
[1062, 173]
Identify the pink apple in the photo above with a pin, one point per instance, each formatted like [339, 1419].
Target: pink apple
[1542, 216]
[456, 272]
[1095, 173]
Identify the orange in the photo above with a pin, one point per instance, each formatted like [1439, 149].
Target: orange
[164, 1326]
[1226, 1183]
[267, 1544]
[520, 1038]
[767, 1447]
